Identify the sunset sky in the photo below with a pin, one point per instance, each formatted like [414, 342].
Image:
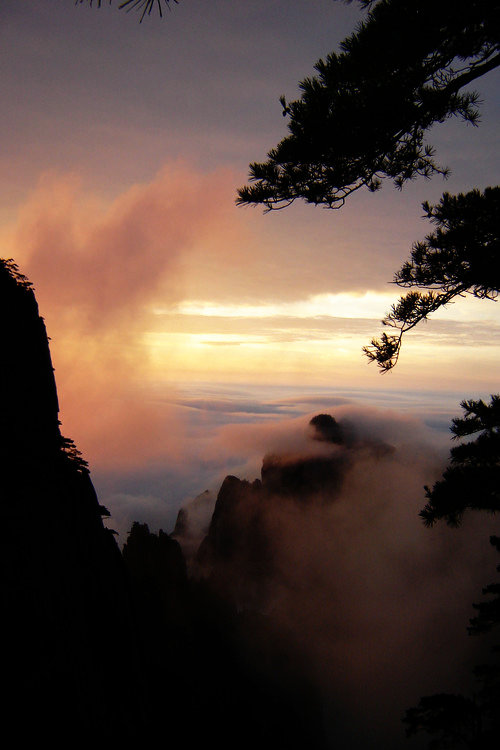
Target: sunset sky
[174, 315]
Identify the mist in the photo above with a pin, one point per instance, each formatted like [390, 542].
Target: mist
[327, 544]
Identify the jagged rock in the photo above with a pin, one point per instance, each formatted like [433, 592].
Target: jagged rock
[192, 523]
[227, 531]
[158, 576]
[236, 555]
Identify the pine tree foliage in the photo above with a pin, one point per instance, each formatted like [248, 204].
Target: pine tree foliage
[472, 480]
[10, 270]
[147, 6]
[364, 115]
[460, 257]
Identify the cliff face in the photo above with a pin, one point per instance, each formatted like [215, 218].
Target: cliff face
[28, 397]
[67, 614]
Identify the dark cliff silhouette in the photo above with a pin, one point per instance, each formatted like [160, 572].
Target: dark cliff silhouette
[68, 662]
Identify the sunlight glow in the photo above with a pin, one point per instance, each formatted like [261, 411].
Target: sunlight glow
[371, 305]
[347, 305]
[177, 356]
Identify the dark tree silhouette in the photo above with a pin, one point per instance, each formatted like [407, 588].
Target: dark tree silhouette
[146, 6]
[472, 481]
[460, 257]
[365, 114]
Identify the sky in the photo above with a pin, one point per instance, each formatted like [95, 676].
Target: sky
[181, 324]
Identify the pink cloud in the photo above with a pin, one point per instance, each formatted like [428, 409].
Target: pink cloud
[109, 261]
[98, 271]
